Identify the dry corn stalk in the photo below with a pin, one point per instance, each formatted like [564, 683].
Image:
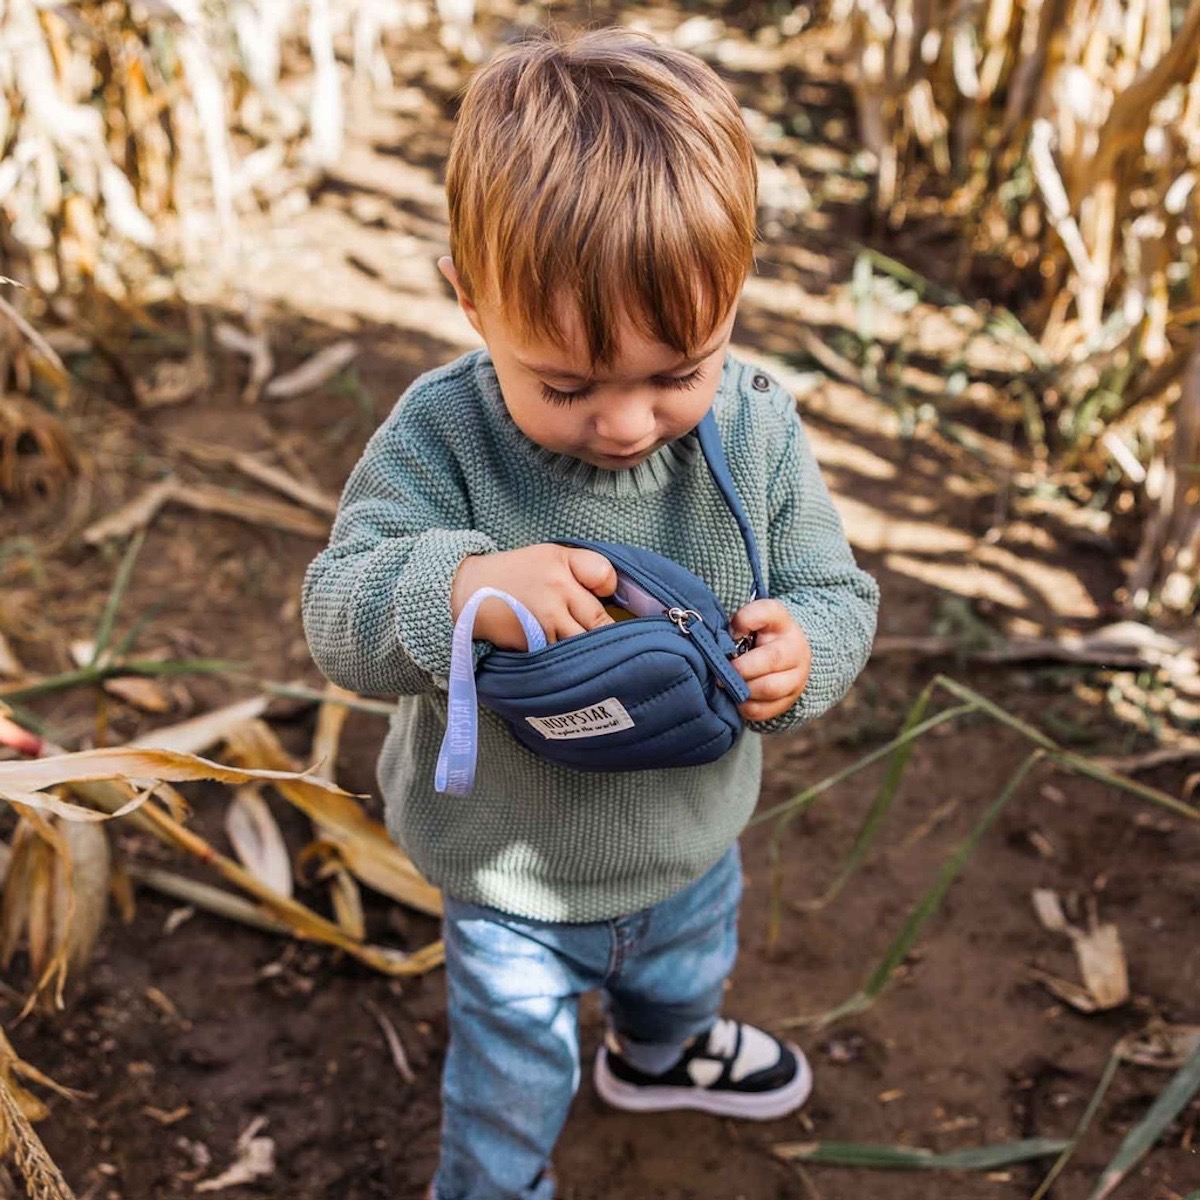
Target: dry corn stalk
[1066, 134]
[43, 1179]
[55, 899]
[36, 457]
[18, 1141]
[103, 101]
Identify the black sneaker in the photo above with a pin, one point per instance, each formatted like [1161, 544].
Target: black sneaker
[733, 1070]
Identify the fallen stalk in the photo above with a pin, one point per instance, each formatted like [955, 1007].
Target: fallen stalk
[1106, 1078]
[916, 725]
[301, 920]
[907, 1158]
[203, 895]
[96, 676]
[922, 911]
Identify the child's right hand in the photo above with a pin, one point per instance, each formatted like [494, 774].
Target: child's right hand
[560, 585]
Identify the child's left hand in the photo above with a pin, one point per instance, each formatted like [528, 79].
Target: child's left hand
[777, 667]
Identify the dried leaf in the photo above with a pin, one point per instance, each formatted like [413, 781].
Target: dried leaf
[140, 693]
[10, 666]
[80, 922]
[347, 902]
[301, 921]
[395, 1045]
[257, 840]
[331, 718]
[323, 366]
[363, 843]
[35, 339]
[1167, 1047]
[131, 517]
[257, 510]
[203, 895]
[20, 780]
[1102, 965]
[262, 472]
[1099, 954]
[257, 347]
[255, 1160]
[1049, 910]
[199, 734]
[36, 455]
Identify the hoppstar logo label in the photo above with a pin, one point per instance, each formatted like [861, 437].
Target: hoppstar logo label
[594, 721]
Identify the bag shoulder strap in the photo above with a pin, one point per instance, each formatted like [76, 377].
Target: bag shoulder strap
[718, 464]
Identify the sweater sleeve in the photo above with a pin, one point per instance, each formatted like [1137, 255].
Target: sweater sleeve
[376, 601]
[813, 573]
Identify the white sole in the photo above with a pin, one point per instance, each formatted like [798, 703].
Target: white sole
[767, 1106]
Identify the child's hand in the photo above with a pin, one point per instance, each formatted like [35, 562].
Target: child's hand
[558, 584]
[777, 668]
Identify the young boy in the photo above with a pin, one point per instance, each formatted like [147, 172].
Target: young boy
[602, 214]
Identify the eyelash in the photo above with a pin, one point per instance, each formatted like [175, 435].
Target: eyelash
[671, 383]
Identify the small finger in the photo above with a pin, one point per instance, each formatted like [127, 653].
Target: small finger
[594, 571]
[784, 685]
[588, 611]
[764, 710]
[764, 659]
[564, 626]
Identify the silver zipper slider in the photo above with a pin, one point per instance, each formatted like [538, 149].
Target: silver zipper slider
[682, 618]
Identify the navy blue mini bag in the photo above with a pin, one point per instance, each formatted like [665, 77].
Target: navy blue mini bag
[657, 689]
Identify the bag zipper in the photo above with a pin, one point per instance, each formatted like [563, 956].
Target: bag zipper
[691, 624]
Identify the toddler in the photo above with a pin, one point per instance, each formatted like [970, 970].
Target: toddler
[602, 198]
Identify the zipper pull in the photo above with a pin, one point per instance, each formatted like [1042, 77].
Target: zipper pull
[684, 618]
[690, 622]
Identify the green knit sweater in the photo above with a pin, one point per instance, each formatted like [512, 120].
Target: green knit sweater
[449, 474]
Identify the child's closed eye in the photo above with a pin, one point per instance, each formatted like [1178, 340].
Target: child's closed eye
[671, 383]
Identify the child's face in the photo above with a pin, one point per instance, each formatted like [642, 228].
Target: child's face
[612, 417]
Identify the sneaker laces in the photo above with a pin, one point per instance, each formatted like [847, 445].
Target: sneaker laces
[723, 1038]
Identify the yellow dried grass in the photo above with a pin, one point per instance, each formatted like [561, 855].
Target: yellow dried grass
[1066, 134]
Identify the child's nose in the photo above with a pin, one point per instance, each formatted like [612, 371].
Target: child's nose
[626, 422]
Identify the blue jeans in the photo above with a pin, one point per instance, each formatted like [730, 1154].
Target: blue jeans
[514, 988]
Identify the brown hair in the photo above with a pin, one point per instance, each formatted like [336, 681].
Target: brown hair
[605, 171]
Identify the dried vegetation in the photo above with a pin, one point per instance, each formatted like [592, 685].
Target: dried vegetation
[1062, 139]
[1058, 137]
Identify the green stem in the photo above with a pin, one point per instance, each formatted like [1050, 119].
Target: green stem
[996, 712]
[1106, 1078]
[924, 908]
[120, 584]
[802, 800]
[790, 810]
[297, 691]
[1066, 758]
[95, 676]
[880, 806]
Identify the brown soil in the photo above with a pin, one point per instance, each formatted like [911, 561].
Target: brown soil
[182, 1038]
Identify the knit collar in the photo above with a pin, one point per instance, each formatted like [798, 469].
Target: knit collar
[650, 476]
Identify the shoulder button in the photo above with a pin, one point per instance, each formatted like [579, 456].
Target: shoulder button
[760, 382]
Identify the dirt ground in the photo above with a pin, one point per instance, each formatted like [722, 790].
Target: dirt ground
[184, 1033]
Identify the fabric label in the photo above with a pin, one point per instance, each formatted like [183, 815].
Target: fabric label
[594, 721]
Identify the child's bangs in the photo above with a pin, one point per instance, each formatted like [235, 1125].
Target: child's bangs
[674, 279]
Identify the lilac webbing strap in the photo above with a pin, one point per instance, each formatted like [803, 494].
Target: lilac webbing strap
[456, 759]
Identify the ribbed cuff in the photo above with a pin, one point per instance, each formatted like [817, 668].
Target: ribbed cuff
[424, 624]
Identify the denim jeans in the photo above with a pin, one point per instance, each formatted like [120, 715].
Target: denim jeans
[514, 987]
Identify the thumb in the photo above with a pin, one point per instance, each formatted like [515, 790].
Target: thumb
[593, 571]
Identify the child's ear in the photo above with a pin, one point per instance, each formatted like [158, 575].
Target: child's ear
[450, 271]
